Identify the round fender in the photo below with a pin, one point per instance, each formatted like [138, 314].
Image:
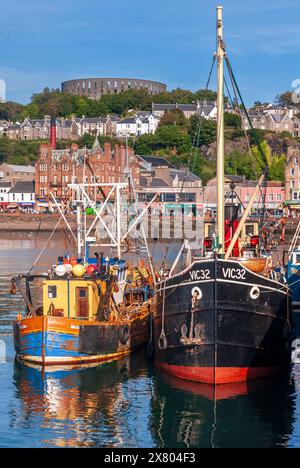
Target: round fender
[255, 293]
[197, 293]
[162, 342]
[124, 334]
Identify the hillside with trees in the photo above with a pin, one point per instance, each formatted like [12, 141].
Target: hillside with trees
[190, 142]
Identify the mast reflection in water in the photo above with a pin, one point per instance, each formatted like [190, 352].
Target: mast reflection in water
[125, 404]
[187, 414]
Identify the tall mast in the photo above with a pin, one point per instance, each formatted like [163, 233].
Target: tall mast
[220, 132]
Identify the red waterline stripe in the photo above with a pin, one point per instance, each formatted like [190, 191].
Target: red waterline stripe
[220, 375]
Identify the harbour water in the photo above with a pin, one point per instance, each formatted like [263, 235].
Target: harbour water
[128, 403]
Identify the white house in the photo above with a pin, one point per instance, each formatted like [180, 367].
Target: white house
[140, 124]
[22, 194]
[207, 109]
[4, 189]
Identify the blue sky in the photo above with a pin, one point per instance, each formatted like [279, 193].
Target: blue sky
[46, 42]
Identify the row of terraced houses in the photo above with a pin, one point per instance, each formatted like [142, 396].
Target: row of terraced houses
[74, 128]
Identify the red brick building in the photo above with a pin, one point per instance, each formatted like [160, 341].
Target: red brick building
[56, 169]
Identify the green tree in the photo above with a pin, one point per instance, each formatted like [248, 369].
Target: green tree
[277, 168]
[202, 131]
[241, 164]
[203, 94]
[284, 99]
[167, 140]
[232, 120]
[263, 154]
[10, 110]
[174, 117]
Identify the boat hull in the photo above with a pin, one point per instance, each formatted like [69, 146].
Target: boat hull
[58, 340]
[238, 329]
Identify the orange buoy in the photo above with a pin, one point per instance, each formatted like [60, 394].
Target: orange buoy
[73, 261]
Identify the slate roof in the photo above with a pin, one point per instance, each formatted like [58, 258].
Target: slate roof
[168, 107]
[184, 176]
[237, 179]
[23, 187]
[95, 120]
[205, 108]
[128, 120]
[156, 182]
[5, 184]
[278, 118]
[143, 114]
[27, 169]
[156, 161]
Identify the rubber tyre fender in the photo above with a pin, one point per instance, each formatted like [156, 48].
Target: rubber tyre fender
[124, 334]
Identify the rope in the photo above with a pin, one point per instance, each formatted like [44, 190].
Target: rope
[45, 246]
[162, 341]
[197, 134]
[262, 189]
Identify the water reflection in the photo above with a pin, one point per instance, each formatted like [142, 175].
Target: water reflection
[259, 414]
[127, 403]
[104, 406]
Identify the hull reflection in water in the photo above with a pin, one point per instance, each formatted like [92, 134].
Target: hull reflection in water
[192, 415]
[88, 407]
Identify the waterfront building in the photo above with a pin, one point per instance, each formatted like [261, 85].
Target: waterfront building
[13, 173]
[271, 197]
[178, 189]
[22, 195]
[95, 88]
[56, 169]
[4, 189]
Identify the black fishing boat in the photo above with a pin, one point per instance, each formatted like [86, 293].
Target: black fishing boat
[226, 317]
[218, 322]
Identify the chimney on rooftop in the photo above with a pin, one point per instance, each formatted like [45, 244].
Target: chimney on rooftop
[53, 133]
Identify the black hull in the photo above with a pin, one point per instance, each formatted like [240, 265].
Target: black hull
[239, 327]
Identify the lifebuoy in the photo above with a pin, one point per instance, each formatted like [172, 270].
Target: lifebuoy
[124, 334]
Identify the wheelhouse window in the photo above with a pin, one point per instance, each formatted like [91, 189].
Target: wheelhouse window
[52, 292]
